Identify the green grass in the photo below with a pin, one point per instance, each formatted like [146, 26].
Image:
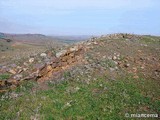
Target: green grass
[150, 40]
[4, 76]
[101, 99]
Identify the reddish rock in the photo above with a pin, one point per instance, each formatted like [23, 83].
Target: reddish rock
[59, 64]
[12, 71]
[64, 63]
[49, 68]
[14, 82]
[55, 60]
[39, 66]
[70, 61]
[64, 59]
[72, 54]
[54, 65]
[2, 83]
[50, 54]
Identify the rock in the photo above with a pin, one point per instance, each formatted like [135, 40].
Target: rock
[50, 54]
[88, 43]
[47, 61]
[26, 64]
[126, 65]
[12, 82]
[111, 69]
[104, 57]
[12, 71]
[65, 59]
[49, 68]
[54, 65]
[64, 63]
[135, 77]
[114, 57]
[25, 69]
[39, 66]
[116, 68]
[157, 73]
[95, 43]
[2, 83]
[72, 54]
[18, 67]
[43, 54]
[12, 87]
[31, 60]
[76, 89]
[19, 71]
[14, 95]
[116, 63]
[134, 69]
[31, 76]
[72, 49]
[70, 61]
[18, 77]
[55, 60]
[63, 52]
[109, 58]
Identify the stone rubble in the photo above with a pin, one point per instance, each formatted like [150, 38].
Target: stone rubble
[48, 69]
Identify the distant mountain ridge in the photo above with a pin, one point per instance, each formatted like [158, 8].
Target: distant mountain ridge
[42, 38]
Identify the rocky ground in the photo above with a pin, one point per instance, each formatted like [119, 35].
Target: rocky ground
[112, 57]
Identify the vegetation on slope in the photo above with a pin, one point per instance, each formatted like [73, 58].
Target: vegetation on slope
[119, 77]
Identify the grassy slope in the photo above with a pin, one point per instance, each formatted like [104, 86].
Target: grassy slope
[72, 99]
[84, 97]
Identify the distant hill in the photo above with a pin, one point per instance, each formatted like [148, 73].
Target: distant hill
[40, 38]
[27, 38]
[13, 46]
[72, 39]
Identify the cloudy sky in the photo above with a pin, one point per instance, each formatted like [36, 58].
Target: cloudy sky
[80, 17]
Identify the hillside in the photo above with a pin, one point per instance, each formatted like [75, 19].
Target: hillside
[107, 77]
[19, 46]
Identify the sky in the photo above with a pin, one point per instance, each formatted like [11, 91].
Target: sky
[80, 17]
